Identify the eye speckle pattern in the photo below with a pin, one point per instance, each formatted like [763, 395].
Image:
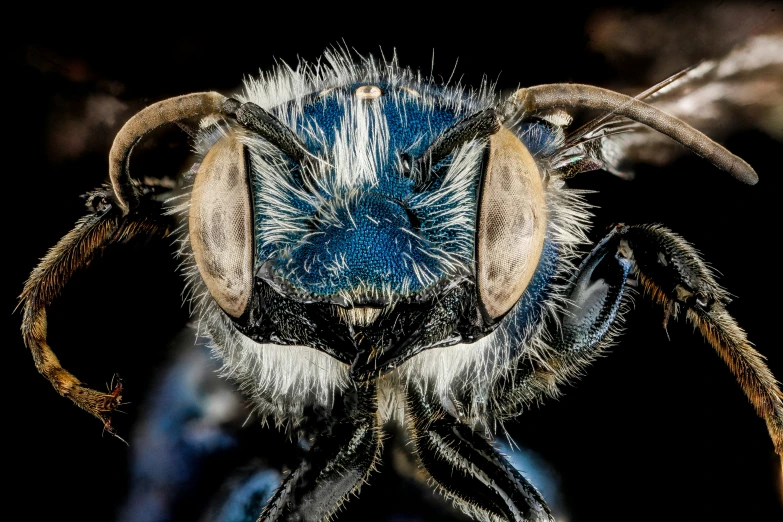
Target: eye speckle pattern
[512, 226]
[220, 224]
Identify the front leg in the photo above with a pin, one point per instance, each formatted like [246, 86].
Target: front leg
[574, 337]
[340, 461]
[672, 273]
[468, 468]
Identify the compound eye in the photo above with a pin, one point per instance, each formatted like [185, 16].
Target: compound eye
[511, 224]
[220, 225]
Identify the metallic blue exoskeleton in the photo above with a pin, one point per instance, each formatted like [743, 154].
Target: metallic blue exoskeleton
[367, 247]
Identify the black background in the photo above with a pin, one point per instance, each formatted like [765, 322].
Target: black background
[657, 430]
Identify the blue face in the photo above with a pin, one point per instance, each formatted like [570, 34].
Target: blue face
[359, 227]
[381, 235]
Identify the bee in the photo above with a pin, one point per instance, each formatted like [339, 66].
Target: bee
[365, 246]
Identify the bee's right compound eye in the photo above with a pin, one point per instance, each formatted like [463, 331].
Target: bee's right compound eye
[220, 225]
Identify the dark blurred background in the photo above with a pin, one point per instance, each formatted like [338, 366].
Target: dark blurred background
[657, 430]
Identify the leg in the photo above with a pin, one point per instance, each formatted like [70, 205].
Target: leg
[340, 462]
[672, 273]
[468, 468]
[573, 339]
[104, 226]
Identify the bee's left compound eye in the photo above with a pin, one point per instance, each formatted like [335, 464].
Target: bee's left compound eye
[511, 224]
[220, 223]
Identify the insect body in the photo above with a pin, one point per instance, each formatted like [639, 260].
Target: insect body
[365, 246]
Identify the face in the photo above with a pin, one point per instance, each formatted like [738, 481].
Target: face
[371, 250]
[633, 199]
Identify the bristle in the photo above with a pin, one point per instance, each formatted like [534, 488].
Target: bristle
[360, 316]
[284, 379]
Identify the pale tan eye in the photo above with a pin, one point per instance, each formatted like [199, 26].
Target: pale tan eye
[220, 225]
[368, 92]
[511, 224]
